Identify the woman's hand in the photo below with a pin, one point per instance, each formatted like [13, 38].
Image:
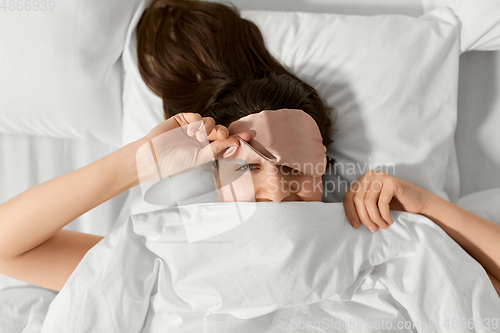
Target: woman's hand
[182, 142]
[372, 196]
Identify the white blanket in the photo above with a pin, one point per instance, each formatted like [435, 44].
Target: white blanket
[291, 267]
[23, 309]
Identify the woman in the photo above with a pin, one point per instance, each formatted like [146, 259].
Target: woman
[203, 57]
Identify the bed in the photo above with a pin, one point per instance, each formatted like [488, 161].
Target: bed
[458, 156]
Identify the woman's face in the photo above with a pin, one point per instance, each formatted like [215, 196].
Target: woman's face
[267, 182]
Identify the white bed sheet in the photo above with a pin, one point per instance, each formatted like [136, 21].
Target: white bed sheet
[287, 264]
[23, 309]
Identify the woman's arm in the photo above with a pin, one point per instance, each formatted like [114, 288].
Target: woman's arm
[479, 237]
[34, 216]
[50, 264]
[33, 248]
[370, 199]
[495, 281]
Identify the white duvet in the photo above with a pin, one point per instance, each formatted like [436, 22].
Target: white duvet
[291, 267]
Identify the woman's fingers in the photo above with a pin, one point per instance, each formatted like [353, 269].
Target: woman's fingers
[204, 129]
[245, 136]
[219, 132]
[219, 146]
[354, 205]
[192, 120]
[177, 151]
[359, 202]
[213, 132]
[384, 203]
[201, 128]
[367, 202]
[371, 202]
[216, 147]
[350, 210]
[194, 125]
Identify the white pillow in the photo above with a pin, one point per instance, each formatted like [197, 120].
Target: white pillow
[392, 78]
[479, 22]
[60, 68]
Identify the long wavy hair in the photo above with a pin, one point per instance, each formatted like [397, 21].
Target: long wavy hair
[204, 57]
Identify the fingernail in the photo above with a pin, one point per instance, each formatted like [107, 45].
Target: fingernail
[372, 229]
[234, 144]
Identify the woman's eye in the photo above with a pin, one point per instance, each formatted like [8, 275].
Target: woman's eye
[246, 167]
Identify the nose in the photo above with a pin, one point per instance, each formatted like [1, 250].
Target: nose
[275, 189]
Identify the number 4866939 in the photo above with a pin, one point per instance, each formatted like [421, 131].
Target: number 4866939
[27, 5]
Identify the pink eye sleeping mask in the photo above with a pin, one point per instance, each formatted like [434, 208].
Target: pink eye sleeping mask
[282, 137]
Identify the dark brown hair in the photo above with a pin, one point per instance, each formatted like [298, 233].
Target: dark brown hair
[203, 57]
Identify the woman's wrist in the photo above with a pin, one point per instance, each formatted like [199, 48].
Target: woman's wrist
[55, 203]
[477, 236]
[128, 162]
[433, 206]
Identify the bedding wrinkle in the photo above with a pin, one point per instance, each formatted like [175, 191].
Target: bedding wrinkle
[271, 273]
